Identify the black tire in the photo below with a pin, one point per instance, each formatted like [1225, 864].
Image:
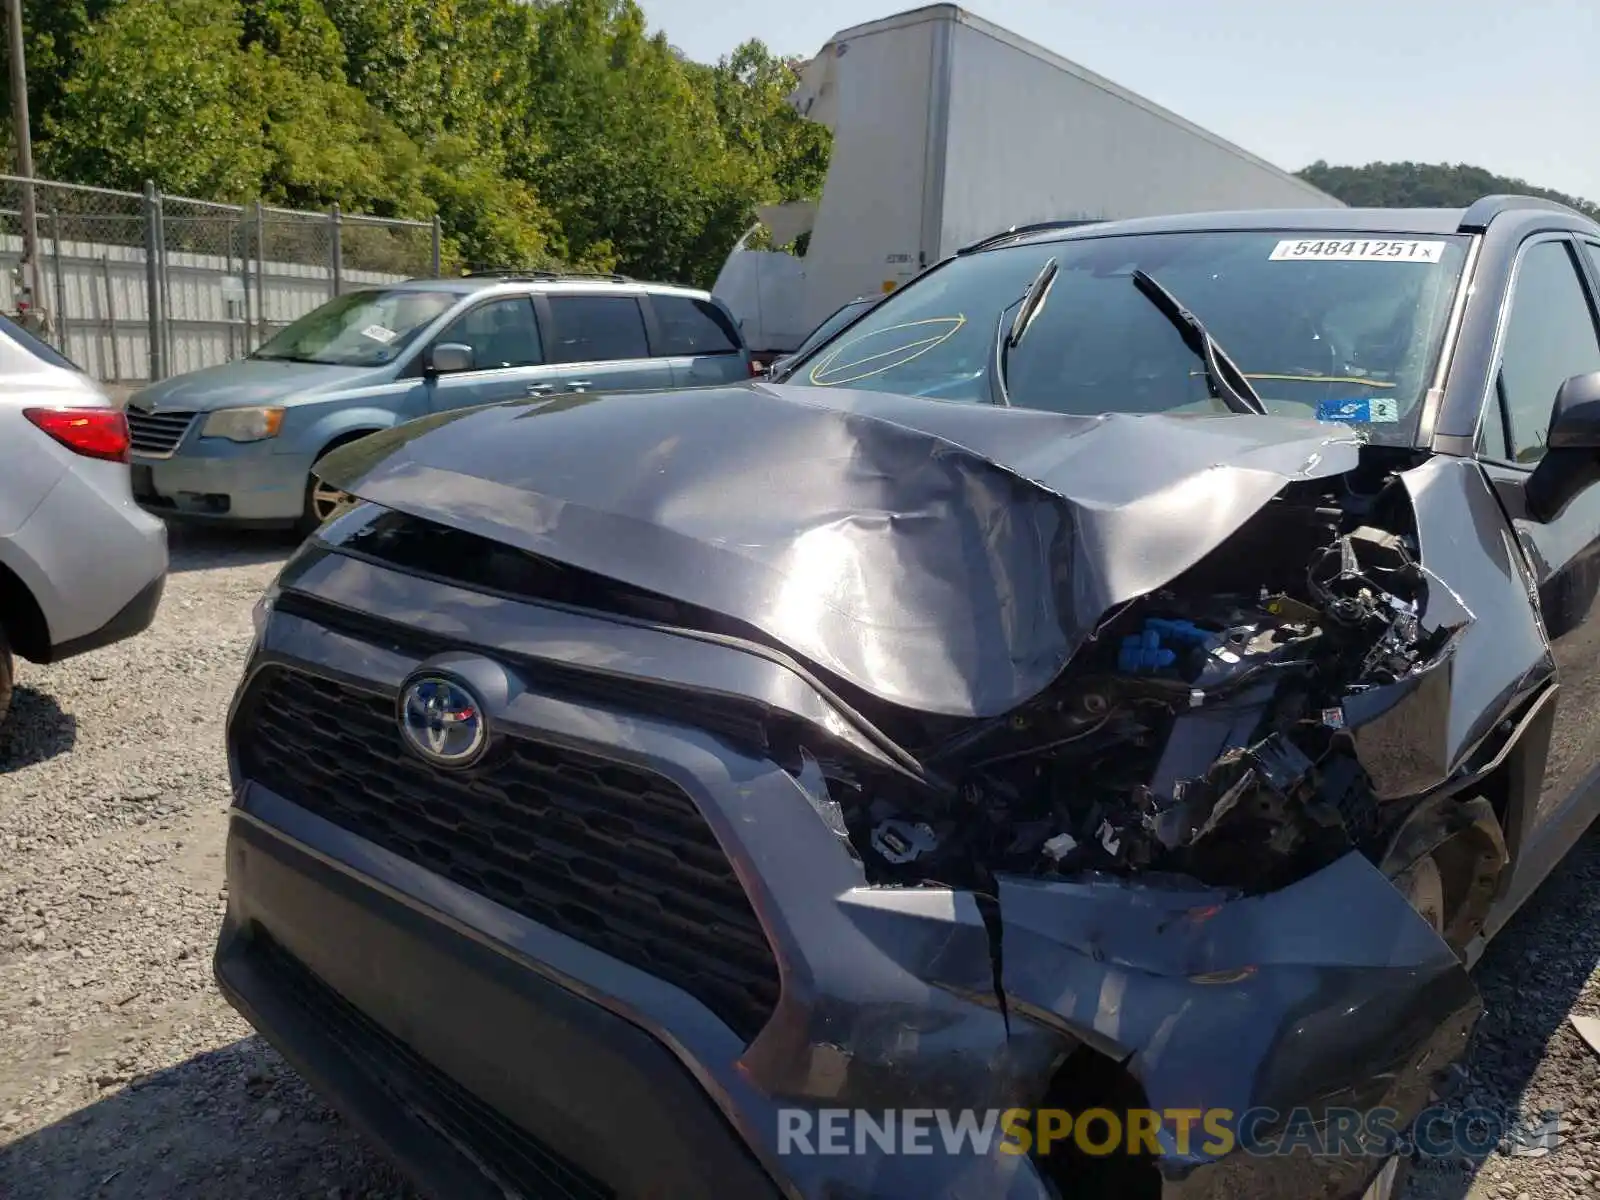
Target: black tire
[8, 675]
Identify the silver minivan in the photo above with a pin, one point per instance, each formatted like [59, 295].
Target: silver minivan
[236, 444]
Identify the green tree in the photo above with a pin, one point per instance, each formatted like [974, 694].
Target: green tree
[628, 155]
[160, 89]
[456, 67]
[660, 161]
[785, 157]
[750, 89]
[297, 34]
[49, 28]
[492, 221]
[537, 132]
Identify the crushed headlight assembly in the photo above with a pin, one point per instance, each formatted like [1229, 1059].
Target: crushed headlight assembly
[243, 424]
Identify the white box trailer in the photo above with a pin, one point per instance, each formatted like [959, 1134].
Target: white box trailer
[948, 129]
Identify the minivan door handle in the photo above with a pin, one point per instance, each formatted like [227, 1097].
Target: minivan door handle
[577, 385]
[541, 389]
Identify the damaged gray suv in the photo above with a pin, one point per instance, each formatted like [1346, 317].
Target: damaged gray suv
[1125, 677]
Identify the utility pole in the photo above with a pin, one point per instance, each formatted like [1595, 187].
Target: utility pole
[30, 213]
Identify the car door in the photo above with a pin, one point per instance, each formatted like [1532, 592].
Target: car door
[698, 339]
[507, 356]
[1551, 332]
[599, 340]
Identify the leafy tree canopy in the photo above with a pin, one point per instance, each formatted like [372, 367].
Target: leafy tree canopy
[541, 133]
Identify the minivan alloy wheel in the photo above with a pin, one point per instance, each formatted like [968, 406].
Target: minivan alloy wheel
[326, 500]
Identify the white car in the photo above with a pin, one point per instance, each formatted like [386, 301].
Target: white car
[81, 565]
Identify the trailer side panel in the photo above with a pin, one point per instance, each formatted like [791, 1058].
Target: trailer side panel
[1034, 138]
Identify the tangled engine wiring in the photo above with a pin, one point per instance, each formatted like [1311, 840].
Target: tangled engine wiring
[1201, 732]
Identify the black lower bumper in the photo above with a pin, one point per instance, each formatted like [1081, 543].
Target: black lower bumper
[132, 618]
[479, 1076]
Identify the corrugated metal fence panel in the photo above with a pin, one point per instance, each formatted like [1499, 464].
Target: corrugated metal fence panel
[226, 276]
[104, 303]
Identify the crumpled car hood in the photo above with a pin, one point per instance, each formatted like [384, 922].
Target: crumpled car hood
[947, 557]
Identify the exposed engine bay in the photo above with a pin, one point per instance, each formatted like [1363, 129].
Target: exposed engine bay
[1202, 730]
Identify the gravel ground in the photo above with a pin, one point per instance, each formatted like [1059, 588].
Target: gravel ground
[122, 1072]
[123, 1075]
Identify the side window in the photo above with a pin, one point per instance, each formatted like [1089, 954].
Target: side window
[693, 326]
[1550, 337]
[596, 329]
[1492, 435]
[502, 333]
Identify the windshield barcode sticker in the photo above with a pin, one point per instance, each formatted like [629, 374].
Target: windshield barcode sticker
[1336, 250]
[379, 333]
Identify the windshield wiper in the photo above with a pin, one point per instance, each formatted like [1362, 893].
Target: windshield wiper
[1032, 301]
[294, 358]
[1226, 380]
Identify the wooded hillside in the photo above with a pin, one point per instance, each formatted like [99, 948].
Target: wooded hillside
[1424, 185]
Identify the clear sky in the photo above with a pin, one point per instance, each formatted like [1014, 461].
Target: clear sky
[1509, 85]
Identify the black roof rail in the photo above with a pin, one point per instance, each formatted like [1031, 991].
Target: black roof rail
[1017, 231]
[1480, 212]
[543, 275]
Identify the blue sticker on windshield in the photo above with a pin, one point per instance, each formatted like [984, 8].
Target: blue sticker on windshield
[1370, 410]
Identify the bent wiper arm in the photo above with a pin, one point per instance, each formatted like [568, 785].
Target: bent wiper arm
[1227, 381]
[1027, 309]
[1032, 301]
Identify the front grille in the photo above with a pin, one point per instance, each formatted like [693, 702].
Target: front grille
[157, 433]
[611, 855]
[510, 1155]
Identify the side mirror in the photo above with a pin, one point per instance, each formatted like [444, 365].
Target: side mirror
[1571, 460]
[1575, 424]
[778, 366]
[448, 357]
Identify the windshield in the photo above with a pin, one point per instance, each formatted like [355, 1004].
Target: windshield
[358, 329]
[831, 325]
[1340, 327]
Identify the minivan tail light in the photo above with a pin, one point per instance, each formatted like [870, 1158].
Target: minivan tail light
[91, 432]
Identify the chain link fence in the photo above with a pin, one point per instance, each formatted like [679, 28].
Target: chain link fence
[136, 287]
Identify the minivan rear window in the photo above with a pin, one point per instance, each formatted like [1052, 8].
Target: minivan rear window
[693, 326]
[41, 350]
[596, 329]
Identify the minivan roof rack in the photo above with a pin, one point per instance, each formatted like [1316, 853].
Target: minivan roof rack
[1480, 212]
[528, 273]
[1017, 231]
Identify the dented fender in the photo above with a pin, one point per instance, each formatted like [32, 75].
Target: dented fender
[1413, 735]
